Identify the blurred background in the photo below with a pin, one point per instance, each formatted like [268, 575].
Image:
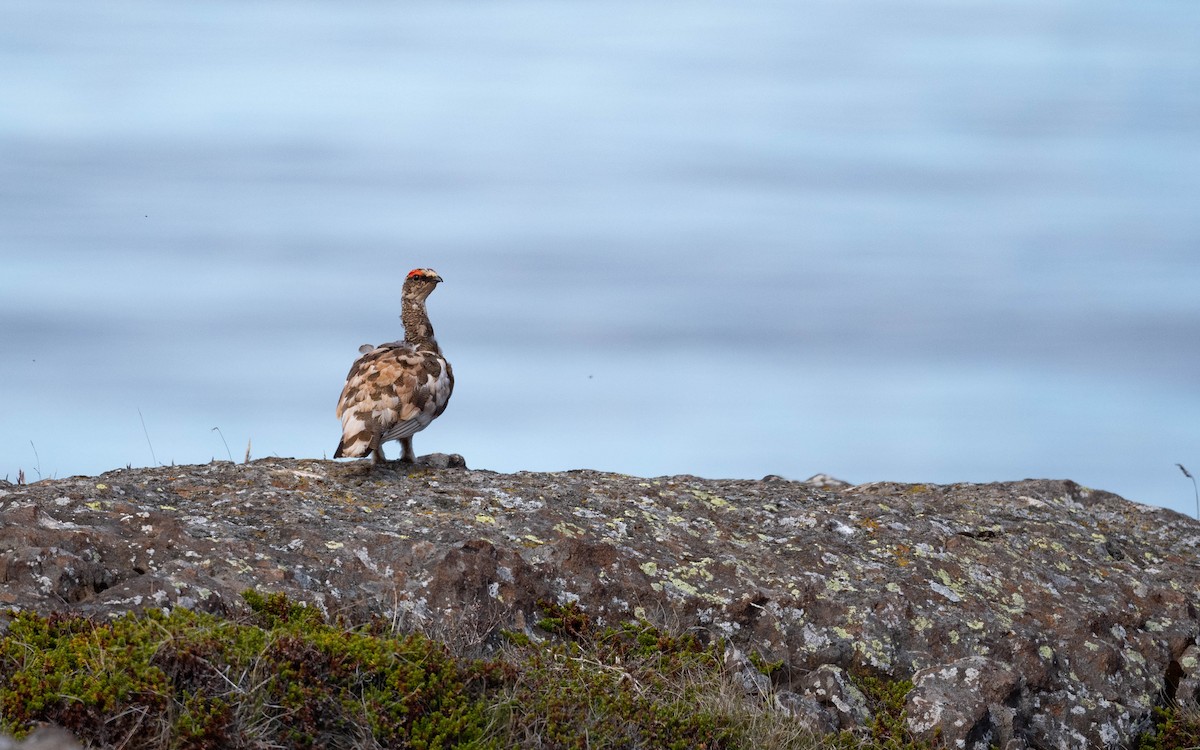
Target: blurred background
[923, 241]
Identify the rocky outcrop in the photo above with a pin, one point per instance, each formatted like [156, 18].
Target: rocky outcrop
[1026, 614]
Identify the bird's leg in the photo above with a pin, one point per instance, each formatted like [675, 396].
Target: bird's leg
[408, 456]
[377, 456]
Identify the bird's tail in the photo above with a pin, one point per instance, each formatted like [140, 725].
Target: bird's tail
[356, 446]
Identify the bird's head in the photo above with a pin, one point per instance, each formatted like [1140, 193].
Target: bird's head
[420, 282]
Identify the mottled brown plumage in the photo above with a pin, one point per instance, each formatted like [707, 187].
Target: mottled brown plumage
[395, 390]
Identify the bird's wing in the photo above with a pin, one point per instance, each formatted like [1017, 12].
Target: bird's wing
[394, 391]
[425, 385]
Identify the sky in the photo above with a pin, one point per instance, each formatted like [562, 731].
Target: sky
[909, 241]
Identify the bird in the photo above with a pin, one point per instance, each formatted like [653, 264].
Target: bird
[395, 390]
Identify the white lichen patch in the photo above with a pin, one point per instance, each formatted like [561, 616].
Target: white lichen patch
[945, 591]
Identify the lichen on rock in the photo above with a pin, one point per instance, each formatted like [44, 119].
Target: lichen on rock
[1034, 613]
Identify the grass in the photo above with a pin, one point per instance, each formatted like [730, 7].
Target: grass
[1195, 488]
[285, 677]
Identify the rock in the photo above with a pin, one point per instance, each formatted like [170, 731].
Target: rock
[832, 688]
[807, 710]
[47, 738]
[1187, 672]
[754, 683]
[964, 703]
[1073, 612]
[443, 461]
[825, 481]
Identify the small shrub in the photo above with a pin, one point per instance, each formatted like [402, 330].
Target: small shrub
[1174, 729]
[195, 682]
[610, 688]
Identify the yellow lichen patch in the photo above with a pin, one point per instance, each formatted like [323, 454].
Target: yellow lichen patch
[239, 565]
[568, 529]
[838, 584]
[684, 586]
[874, 651]
[93, 505]
[484, 518]
[695, 570]
[711, 500]
[102, 486]
[334, 545]
[649, 568]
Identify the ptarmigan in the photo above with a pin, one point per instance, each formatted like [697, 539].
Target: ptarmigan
[395, 390]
